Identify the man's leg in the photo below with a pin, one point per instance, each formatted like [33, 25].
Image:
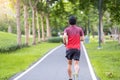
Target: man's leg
[76, 61]
[70, 69]
[76, 66]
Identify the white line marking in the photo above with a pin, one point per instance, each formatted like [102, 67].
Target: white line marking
[89, 64]
[22, 74]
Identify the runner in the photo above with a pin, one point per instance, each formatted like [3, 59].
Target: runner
[71, 38]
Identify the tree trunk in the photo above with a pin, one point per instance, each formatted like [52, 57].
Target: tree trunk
[100, 22]
[88, 29]
[48, 26]
[102, 33]
[42, 25]
[9, 29]
[38, 26]
[119, 38]
[26, 25]
[39, 35]
[18, 22]
[34, 25]
[30, 28]
[118, 35]
[93, 35]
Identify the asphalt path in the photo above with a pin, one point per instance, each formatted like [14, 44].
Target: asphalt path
[53, 66]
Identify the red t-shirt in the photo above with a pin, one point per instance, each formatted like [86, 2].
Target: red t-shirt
[73, 33]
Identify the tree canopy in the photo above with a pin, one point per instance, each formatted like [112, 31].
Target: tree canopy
[55, 14]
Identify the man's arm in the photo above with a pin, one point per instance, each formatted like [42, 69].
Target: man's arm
[65, 38]
[81, 35]
[82, 38]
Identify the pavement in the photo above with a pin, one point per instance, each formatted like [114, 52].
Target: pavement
[53, 66]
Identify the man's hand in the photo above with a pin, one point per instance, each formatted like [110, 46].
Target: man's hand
[82, 38]
[65, 39]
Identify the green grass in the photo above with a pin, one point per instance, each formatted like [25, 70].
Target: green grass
[15, 61]
[8, 42]
[21, 59]
[7, 39]
[105, 61]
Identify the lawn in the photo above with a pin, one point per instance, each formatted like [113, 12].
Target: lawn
[8, 42]
[17, 60]
[106, 61]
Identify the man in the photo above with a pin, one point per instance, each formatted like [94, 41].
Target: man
[72, 37]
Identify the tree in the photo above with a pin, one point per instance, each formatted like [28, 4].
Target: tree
[58, 16]
[8, 12]
[47, 20]
[38, 26]
[115, 14]
[42, 25]
[100, 23]
[33, 5]
[101, 5]
[41, 10]
[18, 22]
[26, 25]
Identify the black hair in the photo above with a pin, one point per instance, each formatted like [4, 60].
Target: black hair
[72, 20]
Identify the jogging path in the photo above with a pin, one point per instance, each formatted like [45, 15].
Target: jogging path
[53, 66]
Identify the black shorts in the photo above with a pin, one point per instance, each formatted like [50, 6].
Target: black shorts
[73, 54]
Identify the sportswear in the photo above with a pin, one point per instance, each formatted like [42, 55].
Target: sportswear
[73, 32]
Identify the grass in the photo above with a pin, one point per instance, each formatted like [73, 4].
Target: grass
[12, 62]
[7, 39]
[21, 59]
[8, 42]
[105, 61]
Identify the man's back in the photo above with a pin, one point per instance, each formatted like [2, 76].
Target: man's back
[73, 32]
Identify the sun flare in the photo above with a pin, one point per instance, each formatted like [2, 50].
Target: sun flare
[5, 8]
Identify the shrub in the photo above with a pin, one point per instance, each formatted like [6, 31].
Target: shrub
[54, 33]
[55, 39]
[11, 48]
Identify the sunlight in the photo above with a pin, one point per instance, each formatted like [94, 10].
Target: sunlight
[65, 0]
[5, 8]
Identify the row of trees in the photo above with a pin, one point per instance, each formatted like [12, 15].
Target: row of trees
[54, 14]
[38, 7]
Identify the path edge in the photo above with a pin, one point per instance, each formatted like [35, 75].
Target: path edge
[92, 73]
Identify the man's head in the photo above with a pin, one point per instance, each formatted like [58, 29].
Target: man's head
[72, 20]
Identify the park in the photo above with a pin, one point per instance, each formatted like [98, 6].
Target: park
[31, 34]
